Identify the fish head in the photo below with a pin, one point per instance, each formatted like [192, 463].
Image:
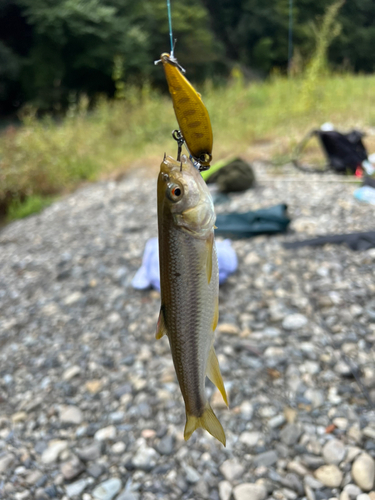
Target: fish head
[183, 194]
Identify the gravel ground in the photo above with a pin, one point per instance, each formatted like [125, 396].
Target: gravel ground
[89, 403]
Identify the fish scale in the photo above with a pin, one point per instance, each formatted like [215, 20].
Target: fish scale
[189, 293]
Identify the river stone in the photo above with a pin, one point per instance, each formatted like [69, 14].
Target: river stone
[249, 491]
[363, 472]
[330, 475]
[108, 489]
[225, 490]
[51, 454]
[334, 452]
[294, 321]
[71, 415]
[232, 469]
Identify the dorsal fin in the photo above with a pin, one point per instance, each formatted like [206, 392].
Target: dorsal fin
[161, 329]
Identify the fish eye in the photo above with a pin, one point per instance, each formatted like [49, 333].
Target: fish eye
[174, 192]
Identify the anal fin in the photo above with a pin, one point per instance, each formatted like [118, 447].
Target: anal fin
[161, 329]
[213, 373]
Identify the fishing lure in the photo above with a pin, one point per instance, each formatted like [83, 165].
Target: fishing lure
[192, 115]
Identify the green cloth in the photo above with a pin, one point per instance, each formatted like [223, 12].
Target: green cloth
[270, 220]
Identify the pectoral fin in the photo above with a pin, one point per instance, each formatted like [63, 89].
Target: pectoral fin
[161, 329]
[210, 248]
[213, 373]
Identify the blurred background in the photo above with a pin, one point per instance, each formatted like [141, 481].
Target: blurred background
[81, 98]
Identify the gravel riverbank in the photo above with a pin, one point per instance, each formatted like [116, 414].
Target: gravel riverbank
[89, 403]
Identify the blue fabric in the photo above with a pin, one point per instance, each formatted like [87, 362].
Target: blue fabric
[149, 275]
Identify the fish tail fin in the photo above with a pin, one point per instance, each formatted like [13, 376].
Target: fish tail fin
[208, 421]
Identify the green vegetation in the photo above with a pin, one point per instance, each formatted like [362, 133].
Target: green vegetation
[31, 205]
[45, 157]
[50, 48]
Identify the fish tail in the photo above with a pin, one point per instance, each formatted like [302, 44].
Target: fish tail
[208, 421]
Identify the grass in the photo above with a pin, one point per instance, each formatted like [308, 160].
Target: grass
[44, 158]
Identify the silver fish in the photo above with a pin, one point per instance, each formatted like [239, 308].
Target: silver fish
[189, 282]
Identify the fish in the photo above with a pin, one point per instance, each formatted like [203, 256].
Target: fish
[189, 282]
[191, 113]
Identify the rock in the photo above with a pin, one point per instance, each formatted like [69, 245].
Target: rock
[128, 495]
[276, 421]
[73, 298]
[51, 454]
[70, 470]
[363, 496]
[228, 328]
[7, 463]
[248, 491]
[71, 372]
[145, 458]
[344, 496]
[265, 459]
[108, 489]
[232, 469]
[75, 489]
[246, 410]
[106, 433]
[192, 475]
[71, 415]
[290, 434]
[313, 483]
[355, 433]
[118, 448]
[225, 490]
[309, 493]
[334, 452]
[95, 470]
[33, 477]
[294, 321]
[94, 386]
[315, 396]
[250, 439]
[330, 475]
[19, 417]
[352, 490]
[363, 471]
[22, 495]
[165, 445]
[91, 452]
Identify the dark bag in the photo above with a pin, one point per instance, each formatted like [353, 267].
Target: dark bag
[344, 152]
[236, 176]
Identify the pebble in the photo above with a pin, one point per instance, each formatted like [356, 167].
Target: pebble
[265, 459]
[118, 448]
[192, 475]
[225, 490]
[92, 451]
[108, 489]
[290, 434]
[334, 452]
[363, 471]
[165, 445]
[232, 469]
[294, 321]
[71, 415]
[330, 475]
[248, 491]
[145, 458]
[55, 448]
[128, 495]
[250, 439]
[7, 463]
[352, 490]
[106, 433]
[71, 372]
[76, 488]
[71, 469]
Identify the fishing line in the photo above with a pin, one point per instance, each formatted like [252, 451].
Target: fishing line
[170, 27]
